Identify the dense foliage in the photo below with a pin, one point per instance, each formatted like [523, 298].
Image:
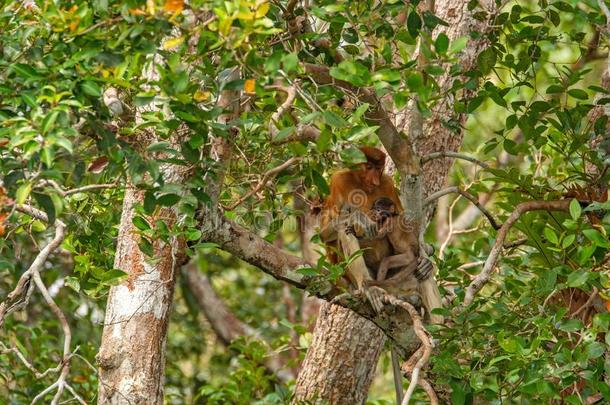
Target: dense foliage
[533, 115]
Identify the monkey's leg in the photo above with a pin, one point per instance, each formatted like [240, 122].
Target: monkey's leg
[357, 271]
[391, 262]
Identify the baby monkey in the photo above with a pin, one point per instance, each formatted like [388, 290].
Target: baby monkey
[402, 236]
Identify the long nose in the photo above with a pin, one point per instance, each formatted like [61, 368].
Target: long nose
[375, 179]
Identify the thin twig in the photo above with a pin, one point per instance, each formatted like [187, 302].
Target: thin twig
[456, 155]
[453, 189]
[588, 303]
[266, 177]
[82, 189]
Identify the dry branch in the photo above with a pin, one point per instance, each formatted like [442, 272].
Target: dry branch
[23, 287]
[291, 94]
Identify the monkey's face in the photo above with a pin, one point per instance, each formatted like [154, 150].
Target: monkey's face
[382, 209]
[371, 176]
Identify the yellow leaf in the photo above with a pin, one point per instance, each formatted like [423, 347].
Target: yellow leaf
[173, 6]
[200, 96]
[172, 43]
[262, 10]
[151, 7]
[249, 86]
[137, 11]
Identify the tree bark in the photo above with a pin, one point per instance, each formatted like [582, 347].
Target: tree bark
[332, 371]
[132, 354]
[340, 364]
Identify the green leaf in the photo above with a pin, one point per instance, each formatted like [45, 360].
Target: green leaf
[352, 72]
[551, 235]
[23, 192]
[352, 156]
[597, 238]
[91, 88]
[334, 120]
[48, 121]
[140, 223]
[47, 205]
[577, 278]
[442, 43]
[595, 350]
[413, 23]
[26, 71]
[578, 93]
[319, 181]
[575, 209]
[168, 200]
[554, 89]
[486, 60]
[568, 240]
[570, 325]
[73, 283]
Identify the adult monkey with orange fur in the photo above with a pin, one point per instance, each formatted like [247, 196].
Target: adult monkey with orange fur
[352, 195]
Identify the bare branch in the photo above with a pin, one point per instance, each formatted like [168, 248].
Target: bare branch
[64, 193]
[266, 177]
[291, 94]
[67, 336]
[469, 197]
[587, 304]
[427, 345]
[9, 304]
[490, 264]
[456, 155]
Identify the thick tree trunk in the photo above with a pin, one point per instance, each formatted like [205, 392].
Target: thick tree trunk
[333, 370]
[132, 357]
[340, 364]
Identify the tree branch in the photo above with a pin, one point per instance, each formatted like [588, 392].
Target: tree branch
[23, 286]
[482, 278]
[283, 266]
[455, 155]
[454, 189]
[291, 94]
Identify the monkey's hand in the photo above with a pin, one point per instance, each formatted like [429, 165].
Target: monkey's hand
[424, 269]
[361, 226]
[375, 296]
